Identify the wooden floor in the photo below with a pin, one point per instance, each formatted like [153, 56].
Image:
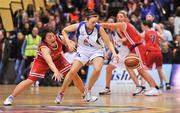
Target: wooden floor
[40, 100]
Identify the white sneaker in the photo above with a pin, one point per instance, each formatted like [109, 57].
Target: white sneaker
[88, 98]
[59, 98]
[36, 84]
[152, 92]
[106, 91]
[8, 101]
[138, 90]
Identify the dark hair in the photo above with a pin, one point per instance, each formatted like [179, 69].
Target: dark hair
[44, 32]
[147, 23]
[89, 13]
[44, 19]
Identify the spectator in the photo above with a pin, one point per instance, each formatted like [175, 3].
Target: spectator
[8, 57]
[1, 43]
[26, 29]
[30, 10]
[133, 7]
[19, 59]
[176, 50]
[29, 47]
[151, 17]
[170, 24]
[166, 33]
[90, 4]
[104, 8]
[177, 22]
[147, 7]
[167, 53]
[115, 6]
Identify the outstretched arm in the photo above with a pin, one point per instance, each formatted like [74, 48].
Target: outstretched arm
[65, 32]
[47, 57]
[119, 25]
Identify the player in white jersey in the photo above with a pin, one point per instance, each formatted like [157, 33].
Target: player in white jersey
[90, 48]
[120, 48]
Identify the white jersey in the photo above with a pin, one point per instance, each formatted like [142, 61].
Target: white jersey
[122, 50]
[90, 45]
[88, 41]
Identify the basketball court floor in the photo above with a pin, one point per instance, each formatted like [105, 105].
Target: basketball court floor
[41, 100]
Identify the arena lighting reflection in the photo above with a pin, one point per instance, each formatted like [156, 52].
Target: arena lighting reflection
[176, 75]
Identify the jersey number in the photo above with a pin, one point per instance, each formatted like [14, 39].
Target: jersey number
[153, 37]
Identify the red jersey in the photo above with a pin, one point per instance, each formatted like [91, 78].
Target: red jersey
[40, 67]
[55, 53]
[152, 41]
[131, 35]
[134, 42]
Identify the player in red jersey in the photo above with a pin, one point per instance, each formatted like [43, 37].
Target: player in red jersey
[49, 56]
[153, 51]
[134, 42]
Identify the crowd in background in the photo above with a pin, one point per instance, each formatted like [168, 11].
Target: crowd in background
[17, 47]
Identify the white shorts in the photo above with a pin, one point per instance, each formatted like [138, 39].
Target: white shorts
[85, 56]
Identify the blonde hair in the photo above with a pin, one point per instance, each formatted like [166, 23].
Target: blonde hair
[124, 13]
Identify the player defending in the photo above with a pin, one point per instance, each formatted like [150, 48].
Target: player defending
[134, 43]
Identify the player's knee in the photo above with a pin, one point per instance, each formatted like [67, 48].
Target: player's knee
[97, 70]
[72, 72]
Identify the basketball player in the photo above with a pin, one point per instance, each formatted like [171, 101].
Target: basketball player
[153, 51]
[90, 48]
[134, 43]
[116, 40]
[49, 56]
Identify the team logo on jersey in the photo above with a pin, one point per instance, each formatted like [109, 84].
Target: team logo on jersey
[86, 42]
[78, 54]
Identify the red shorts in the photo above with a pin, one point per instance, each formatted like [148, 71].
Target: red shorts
[154, 57]
[39, 68]
[140, 52]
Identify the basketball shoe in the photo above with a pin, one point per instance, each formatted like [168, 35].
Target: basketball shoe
[8, 101]
[88, 97]
[152, 92]
[106, 91]
[139, 90]
[59, 98]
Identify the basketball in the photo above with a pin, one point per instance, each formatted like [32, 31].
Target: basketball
[132, 61]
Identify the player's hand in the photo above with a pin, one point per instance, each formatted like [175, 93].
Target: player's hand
[57, 76]
[106, 56]
[115, 58]
[71, 46]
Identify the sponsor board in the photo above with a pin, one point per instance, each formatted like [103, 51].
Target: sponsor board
[121, 76]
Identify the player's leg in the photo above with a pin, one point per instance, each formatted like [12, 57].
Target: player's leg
[38, 70]
[19, 89]
[109, 70]
[162, 76]
[97, 63]
[68, 78]
[139, 89]
[78, 83]
[154, 90]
